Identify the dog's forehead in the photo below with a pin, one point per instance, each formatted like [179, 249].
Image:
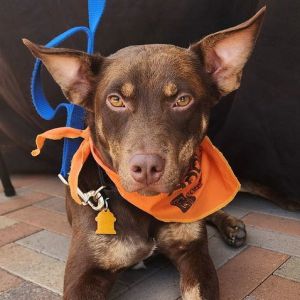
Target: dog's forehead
[157, 67]
[157, 62]
[151, 52]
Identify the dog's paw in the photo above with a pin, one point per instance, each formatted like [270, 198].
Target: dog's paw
[233, 231]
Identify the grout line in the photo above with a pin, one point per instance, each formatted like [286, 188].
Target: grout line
[24, 281]
[37, 207]
[49, 209]
[289, 256]
[245, 247]
[29, 280]
[12, 242]
[9, 272]
[43, 228]
[268, 276]
[248, 212]
[37, 250]
[14, 210]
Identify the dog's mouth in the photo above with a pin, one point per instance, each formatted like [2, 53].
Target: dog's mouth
[155, 190]
[149, 190]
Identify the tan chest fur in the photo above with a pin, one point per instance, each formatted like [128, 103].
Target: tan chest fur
[113, 253]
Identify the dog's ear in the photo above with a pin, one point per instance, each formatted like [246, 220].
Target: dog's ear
[73, 70]
[225, 53]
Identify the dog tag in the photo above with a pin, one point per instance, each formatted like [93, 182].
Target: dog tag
[105, 222]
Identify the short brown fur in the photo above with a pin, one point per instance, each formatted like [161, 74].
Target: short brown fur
[149, 79]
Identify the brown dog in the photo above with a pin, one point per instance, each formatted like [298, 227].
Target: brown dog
[148, 108]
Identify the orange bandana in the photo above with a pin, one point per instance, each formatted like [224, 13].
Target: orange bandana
[209, 185]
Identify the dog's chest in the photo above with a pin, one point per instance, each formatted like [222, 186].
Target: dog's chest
[113, 252]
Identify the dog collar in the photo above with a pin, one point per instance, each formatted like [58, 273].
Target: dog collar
[209, 185]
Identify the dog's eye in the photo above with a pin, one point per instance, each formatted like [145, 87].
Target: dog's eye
[116, 101]
[183, 101]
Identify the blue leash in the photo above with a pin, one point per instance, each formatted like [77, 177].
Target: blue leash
[74, 113]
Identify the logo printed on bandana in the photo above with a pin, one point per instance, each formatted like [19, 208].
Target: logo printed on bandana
[185, 202]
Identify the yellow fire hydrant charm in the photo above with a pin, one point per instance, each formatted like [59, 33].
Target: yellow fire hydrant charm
[105, 222]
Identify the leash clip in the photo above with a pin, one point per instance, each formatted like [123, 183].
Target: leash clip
[91, 197]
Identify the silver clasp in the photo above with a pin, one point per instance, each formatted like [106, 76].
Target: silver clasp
[90, 197]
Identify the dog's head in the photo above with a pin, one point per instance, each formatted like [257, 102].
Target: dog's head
[148, 106]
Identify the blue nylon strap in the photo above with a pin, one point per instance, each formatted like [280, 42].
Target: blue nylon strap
[96, 9]
[74, 113]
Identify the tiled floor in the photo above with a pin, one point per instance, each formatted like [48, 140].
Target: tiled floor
[34, 239]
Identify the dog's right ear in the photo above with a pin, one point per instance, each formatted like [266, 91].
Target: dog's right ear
[74, 71]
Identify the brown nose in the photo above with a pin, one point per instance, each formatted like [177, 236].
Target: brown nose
[146, 168]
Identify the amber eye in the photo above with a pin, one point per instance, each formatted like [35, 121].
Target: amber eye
[116, 101]
[183, 101]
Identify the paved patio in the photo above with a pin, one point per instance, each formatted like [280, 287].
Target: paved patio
[34, 239]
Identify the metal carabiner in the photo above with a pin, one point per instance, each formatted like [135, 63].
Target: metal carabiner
[95, 195]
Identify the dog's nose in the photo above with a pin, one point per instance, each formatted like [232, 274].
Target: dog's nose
[146, 168]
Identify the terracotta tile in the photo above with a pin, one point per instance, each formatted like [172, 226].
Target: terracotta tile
[220, 252]
[20, 181]
[15, 232]
[43, 218]
[277, 288]
[47, 184]
[246, 271]
[35, 267]
[24, 180]
[273, 223]
[8, 281]
[23, 199]
[56, 204]
[50, 185]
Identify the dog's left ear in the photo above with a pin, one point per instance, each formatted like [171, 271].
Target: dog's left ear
[225, 53]
[74, 71]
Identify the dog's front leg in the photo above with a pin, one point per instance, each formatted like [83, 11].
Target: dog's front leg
[84, 279]
[186, 246]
